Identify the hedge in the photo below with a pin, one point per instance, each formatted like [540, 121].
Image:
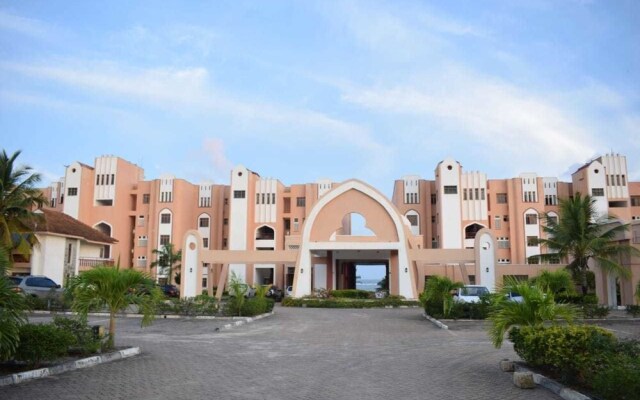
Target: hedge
[42, 342]
[585, 355]
[391, 301]
[352, 294]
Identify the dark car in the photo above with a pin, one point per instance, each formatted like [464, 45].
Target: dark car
[170, 290]
[275, 293]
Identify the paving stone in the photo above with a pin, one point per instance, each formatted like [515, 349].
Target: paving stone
[295, 354]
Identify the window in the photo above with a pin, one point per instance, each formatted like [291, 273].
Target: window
[413, 220]
[296, 225]
[503, 243]
[434, 199]
[225, 221]
[72, 191]
[224, 242]
[165, 218]
[497, 222]
[52, 203]
[204, 222]
[204, 282]
[476, 191]
[164, 239]
[532, 241]
[464, 194]
[205, 243]
[597, 192]
[501, 198]
[482, 194]
[552, 220]
[433, 219]
[635, 201]
[300, 201]
[146, 198]
[450, 190]
[257, 198]
[142, 241]
[273, 198]
[239, 194]
[531, 219]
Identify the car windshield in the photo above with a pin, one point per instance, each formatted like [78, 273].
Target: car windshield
[474, 291]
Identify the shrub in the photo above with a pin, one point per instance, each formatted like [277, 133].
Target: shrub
[352, 294]
[257, 306]
[42, 342]
[391, 301]
[84, 340]
[574, 353]
[634, 310]
[577, 298]
[621, 380]
[594, 311]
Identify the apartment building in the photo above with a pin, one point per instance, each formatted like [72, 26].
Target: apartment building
[301, 235]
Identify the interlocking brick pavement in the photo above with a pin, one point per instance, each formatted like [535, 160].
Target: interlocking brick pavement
[295, 354]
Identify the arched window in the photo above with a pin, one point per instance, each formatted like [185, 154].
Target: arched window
[414, 220]
[472, 230]
[265, 233]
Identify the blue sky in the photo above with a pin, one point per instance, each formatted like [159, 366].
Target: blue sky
[301, 90]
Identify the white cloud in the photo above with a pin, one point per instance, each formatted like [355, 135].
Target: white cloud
[25, 26]
[510, 122]
[214, 150]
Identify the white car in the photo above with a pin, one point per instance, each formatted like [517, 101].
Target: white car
[470, 293]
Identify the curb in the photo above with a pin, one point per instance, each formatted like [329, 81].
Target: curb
[435, 321]
[68, 366]
[244, 321]
[553, 386]
[161, 316]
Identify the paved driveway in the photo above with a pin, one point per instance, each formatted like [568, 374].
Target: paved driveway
[295, 354]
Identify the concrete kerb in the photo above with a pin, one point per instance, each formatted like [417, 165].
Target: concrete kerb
[553, 386]
[435, 321]
[164, 316]
[68, 366]
[244, 320]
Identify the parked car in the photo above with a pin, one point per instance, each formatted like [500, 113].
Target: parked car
[515, 297]
[470, 293]
[14, 282]
[170, 290]
[37, 286]
[275, 293]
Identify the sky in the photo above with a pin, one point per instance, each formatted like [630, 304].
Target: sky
[304, 90]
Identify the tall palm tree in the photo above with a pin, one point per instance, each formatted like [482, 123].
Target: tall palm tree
[167, 259]
[581, 235]
[438, 289]
[116, 289]
[537, 307]
[18, 201]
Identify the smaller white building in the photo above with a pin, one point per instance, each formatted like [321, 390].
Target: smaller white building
[65, 248]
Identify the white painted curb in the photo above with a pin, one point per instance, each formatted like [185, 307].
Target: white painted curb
[553, 386]
[68, 366]
[435, 321]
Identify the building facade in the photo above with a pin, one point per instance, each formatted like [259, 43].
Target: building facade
[301, 235]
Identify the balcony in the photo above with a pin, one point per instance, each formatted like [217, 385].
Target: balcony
[87, 263]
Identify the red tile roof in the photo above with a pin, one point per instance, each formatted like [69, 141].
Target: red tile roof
[63, 224]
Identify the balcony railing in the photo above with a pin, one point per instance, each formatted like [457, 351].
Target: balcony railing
[86, 263]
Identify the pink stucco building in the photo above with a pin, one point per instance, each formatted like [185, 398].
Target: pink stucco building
[459, 223]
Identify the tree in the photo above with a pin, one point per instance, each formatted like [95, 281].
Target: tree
[383, 284]
[18, 200]
[638, 292]
[116, 289]
[537, 307]
[558, 282]
[12, 310]
[167, 259]
[438, 290]
[581, 235]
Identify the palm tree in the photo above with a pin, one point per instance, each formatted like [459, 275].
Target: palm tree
[580, 235]
[438, 289]
[12, 310]
[537, 307]
[116, 289]
[167, 259]
[18, 200]
[558, 282]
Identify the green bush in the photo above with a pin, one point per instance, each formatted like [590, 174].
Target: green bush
[85, 341]
[634, 310]
[352, 294]
[190, 306]
[577, 298]
[42, 342]
[594, 311]
[391, 301]
[257, 306]
[49, 303]
[573, 353]
[621, 380]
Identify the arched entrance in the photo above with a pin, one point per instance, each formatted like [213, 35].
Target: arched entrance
[328, 244]
[105, 228]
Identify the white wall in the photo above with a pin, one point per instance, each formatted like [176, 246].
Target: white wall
[487, 261]
[72, 179]
[449, 205]
[265, 210]
[531, 230]
[191, 266]
[324, 185]
[48, 257]
[616, 166]
[238, 217]
[597, 179]
[320, 276]
[105, 166]
[474, 208]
